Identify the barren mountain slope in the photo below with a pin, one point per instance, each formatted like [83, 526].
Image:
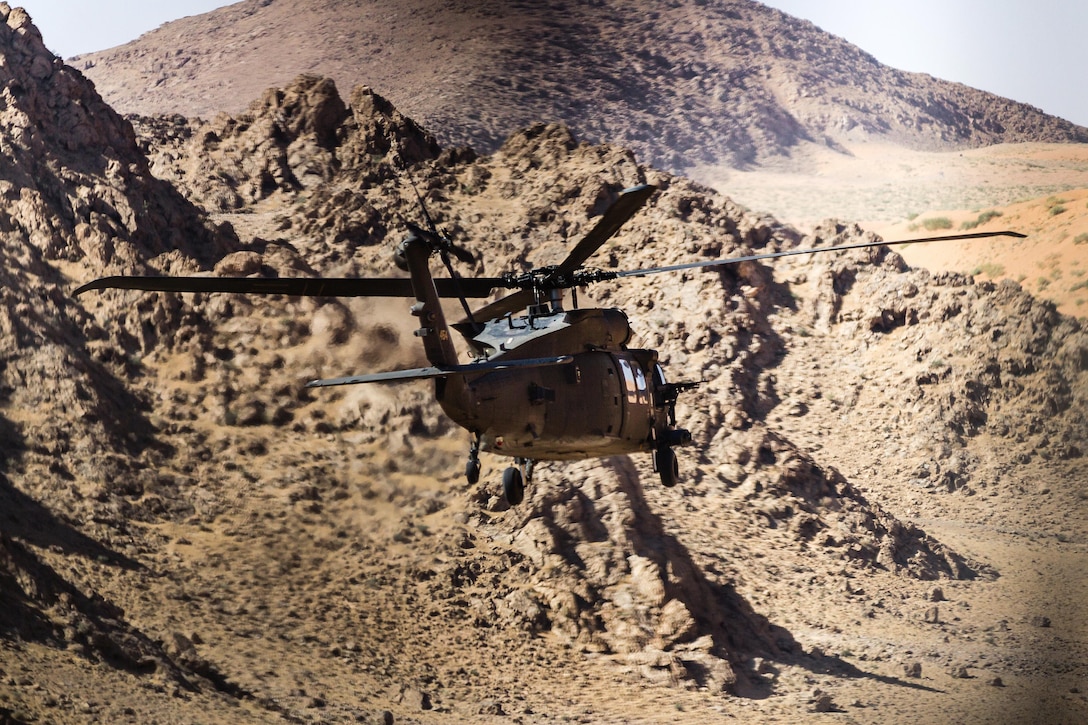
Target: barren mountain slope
[683, 84]
[214, 543]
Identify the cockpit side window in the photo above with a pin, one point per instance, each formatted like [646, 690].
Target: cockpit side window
[634, 383]
[628, 381]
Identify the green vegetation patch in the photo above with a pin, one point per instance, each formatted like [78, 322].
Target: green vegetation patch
[990, 269]
[937, 223]
[1055, 205]
[982, 219]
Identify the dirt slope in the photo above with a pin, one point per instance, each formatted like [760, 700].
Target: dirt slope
[682, 84]
[882, 515]
[1035, 189]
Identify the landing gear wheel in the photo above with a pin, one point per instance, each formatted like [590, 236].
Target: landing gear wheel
[472, 471]
[667, 467]
[513, 486]
[472, 468]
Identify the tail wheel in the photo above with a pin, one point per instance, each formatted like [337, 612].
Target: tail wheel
[667, 467]
[513, 486]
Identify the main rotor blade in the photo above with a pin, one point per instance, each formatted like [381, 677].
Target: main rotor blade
[515, 302]
[629, 202]
[814, 250]
[298, 286]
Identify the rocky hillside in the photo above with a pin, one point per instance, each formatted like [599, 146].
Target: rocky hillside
[77, 194]
[682, 84]
[187, 533]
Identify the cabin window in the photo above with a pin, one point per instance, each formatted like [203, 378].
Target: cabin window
[628, 381]
[634, 383]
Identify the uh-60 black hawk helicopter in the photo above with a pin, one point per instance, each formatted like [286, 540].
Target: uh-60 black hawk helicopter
[546, 382]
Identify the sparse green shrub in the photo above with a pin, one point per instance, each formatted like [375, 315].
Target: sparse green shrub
[990, 269]
[936, 223]
[982, 219]
[1043, 283]
[1055, 205]
[1081, 238]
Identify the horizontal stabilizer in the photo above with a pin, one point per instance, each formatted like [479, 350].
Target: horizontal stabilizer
[442, 372]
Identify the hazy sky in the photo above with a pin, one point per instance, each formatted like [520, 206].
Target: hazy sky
[71, 27]
[1027, 51]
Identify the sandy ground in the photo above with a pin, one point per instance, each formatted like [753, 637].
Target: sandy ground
[1037, 189]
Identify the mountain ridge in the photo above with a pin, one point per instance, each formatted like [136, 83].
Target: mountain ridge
[683, 84]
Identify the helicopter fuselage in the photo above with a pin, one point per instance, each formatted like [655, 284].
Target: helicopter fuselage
[603, 399]
[603, 402]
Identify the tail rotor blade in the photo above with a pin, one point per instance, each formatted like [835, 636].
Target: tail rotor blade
[463, 255]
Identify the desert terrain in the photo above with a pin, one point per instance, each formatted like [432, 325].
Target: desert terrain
[882, 516]
[1035, 189]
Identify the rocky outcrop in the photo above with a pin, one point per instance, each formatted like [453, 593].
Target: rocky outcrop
[284, 143]
[949, 361]
[75, 184]
[78, 201]
[161, 462]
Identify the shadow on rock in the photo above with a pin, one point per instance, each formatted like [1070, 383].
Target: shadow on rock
[761, 678]
[40, 604]
[750, 642]
[605, 575]
[737, 632]
[25, 519]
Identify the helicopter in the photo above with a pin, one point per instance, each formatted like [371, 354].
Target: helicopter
[546, 383]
